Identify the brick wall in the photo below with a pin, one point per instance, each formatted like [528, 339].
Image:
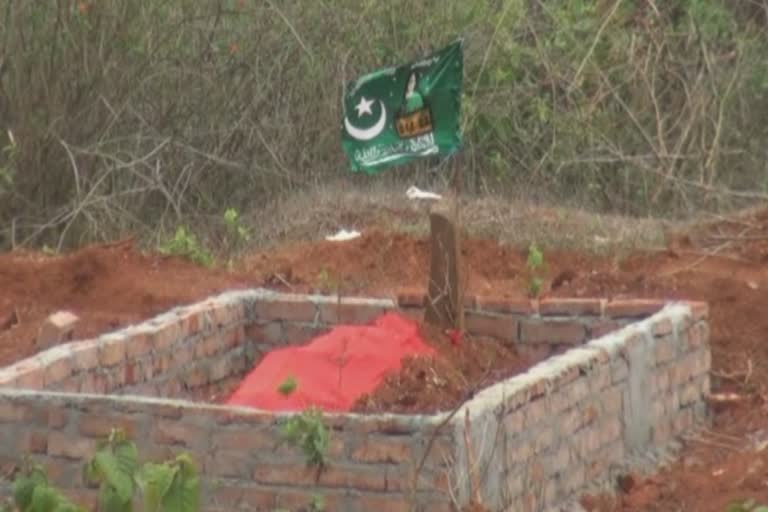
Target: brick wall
[559, 426]
[579, 417]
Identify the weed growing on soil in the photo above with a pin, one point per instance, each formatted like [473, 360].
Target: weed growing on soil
[535, 263]
[237, 234]
[171, 486]
[8, 169]
[747, 506]
[185, 245]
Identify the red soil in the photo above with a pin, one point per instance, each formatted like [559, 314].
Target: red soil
[110, 286]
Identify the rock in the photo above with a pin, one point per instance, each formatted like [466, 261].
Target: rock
[57, 328]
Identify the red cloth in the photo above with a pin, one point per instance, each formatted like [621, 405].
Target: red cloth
[333, 370]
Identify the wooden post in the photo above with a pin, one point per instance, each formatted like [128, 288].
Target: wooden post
[445, 295]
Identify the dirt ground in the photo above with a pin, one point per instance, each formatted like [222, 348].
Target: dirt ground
[724, 263]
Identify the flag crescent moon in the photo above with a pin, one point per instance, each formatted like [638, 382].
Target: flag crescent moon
[368, 133]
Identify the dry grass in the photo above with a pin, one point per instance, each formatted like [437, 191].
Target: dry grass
[312, 215]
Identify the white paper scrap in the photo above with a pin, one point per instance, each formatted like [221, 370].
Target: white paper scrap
[343, 235]
[414, 192]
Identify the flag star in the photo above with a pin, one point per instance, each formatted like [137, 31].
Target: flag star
[364, 107]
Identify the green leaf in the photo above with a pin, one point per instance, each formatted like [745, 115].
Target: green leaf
[44, 499]
[155, 480]
[184, 493]
[24, 486]
[761, 508]
[111, 501]
[107, 465]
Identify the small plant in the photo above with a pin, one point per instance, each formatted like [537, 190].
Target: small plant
[235, 228]
[185, 244]
[535, 263]
[746, 506]
[32, 492]
[317, 504]
[307, 431]
[171, 486]
[288, 386]
[8, 170]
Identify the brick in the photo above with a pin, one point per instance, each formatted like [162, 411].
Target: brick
[226, 314]
[204, 348]
[58, 370]
[599, 379]
[665, 349]
[34, 441]
[519, 451]
[572, 479]
[296, 334]
[111, 351]
[30, 414]
[551, 332]
[349, 311]
[31, 376]
[271, 332]
[88, 499]
[375, 502]
[543, 439]
[501, 327]
[662, 431]
[336, 476]
[518, 306]
[690, 393]
[70, 447]
[660, 383]
[58, 417]
[411, 298]
[255, 498]
[415, 314]
[234, 337]
[610, 430]
[94, 383]
[167, 333]
[99, 425]
[535, 412]
[602, 328]
[179, 433]
[588, 442]
[700, 310]
[558, 461]
[230, 464]
[571, 307]
[633, 308]
[619, 370]
[697, 336]
[383, 451]
[612, 399]
[301, 500]
[229, 496]
[57, 328]
[682, 421]
[85, 355]
[287, 308]
[129, 373]
[662, 327]
[197, 376]
[139, 344]
[514, 421]
[70, 385]
[245, 439]
[598, 464]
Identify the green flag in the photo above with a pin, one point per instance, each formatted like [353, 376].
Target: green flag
[395, 115]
